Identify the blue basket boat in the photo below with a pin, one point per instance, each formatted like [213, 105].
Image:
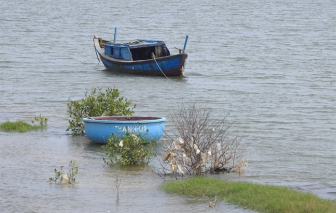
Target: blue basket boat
[99, 129]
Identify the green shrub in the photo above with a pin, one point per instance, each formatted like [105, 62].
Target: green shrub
[131, 149]
[41, 121]
[97, 103]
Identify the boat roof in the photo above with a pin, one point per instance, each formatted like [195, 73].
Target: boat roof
[138, 43]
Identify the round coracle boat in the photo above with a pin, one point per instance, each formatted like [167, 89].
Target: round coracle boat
[99, 129]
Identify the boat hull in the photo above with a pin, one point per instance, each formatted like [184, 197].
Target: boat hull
[169, 65]
[99, 129]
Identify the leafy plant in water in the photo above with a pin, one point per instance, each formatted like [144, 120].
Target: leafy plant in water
[40, 120]
[97, 103]
[73, 170]
[130, 149]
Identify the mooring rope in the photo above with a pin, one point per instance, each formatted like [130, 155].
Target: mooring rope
[94, 45]
[153, 56]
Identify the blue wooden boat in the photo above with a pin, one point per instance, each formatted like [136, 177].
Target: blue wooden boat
[99, 129]
[143, 57]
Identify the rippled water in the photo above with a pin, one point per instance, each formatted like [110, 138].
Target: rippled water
[270, 64]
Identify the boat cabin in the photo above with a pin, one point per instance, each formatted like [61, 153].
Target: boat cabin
[136, 50]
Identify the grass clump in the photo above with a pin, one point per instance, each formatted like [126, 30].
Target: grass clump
[21, 126]
[263, 198]
[17, 126]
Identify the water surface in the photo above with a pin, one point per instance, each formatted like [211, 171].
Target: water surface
[270, 64]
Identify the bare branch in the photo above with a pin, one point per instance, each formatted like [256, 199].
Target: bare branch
[201, 144]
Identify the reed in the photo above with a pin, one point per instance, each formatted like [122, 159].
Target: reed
[262, 198]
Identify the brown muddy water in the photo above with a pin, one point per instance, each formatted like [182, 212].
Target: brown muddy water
[270, 64]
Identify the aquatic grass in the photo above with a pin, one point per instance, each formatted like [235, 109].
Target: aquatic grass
[263, 198]
[18, 126]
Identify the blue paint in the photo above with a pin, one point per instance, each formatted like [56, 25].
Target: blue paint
[115, 35]
[116, 52]
[185, 43]
[126, 54]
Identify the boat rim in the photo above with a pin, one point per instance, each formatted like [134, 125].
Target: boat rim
[123, 119]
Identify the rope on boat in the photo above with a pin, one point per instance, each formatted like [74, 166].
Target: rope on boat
[153, 56]
[94, 45]
[180, 50]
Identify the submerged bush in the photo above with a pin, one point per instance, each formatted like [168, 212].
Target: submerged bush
[131, 149]
[66, 177]
[97, 103]
[201, 145]
[40, 120]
